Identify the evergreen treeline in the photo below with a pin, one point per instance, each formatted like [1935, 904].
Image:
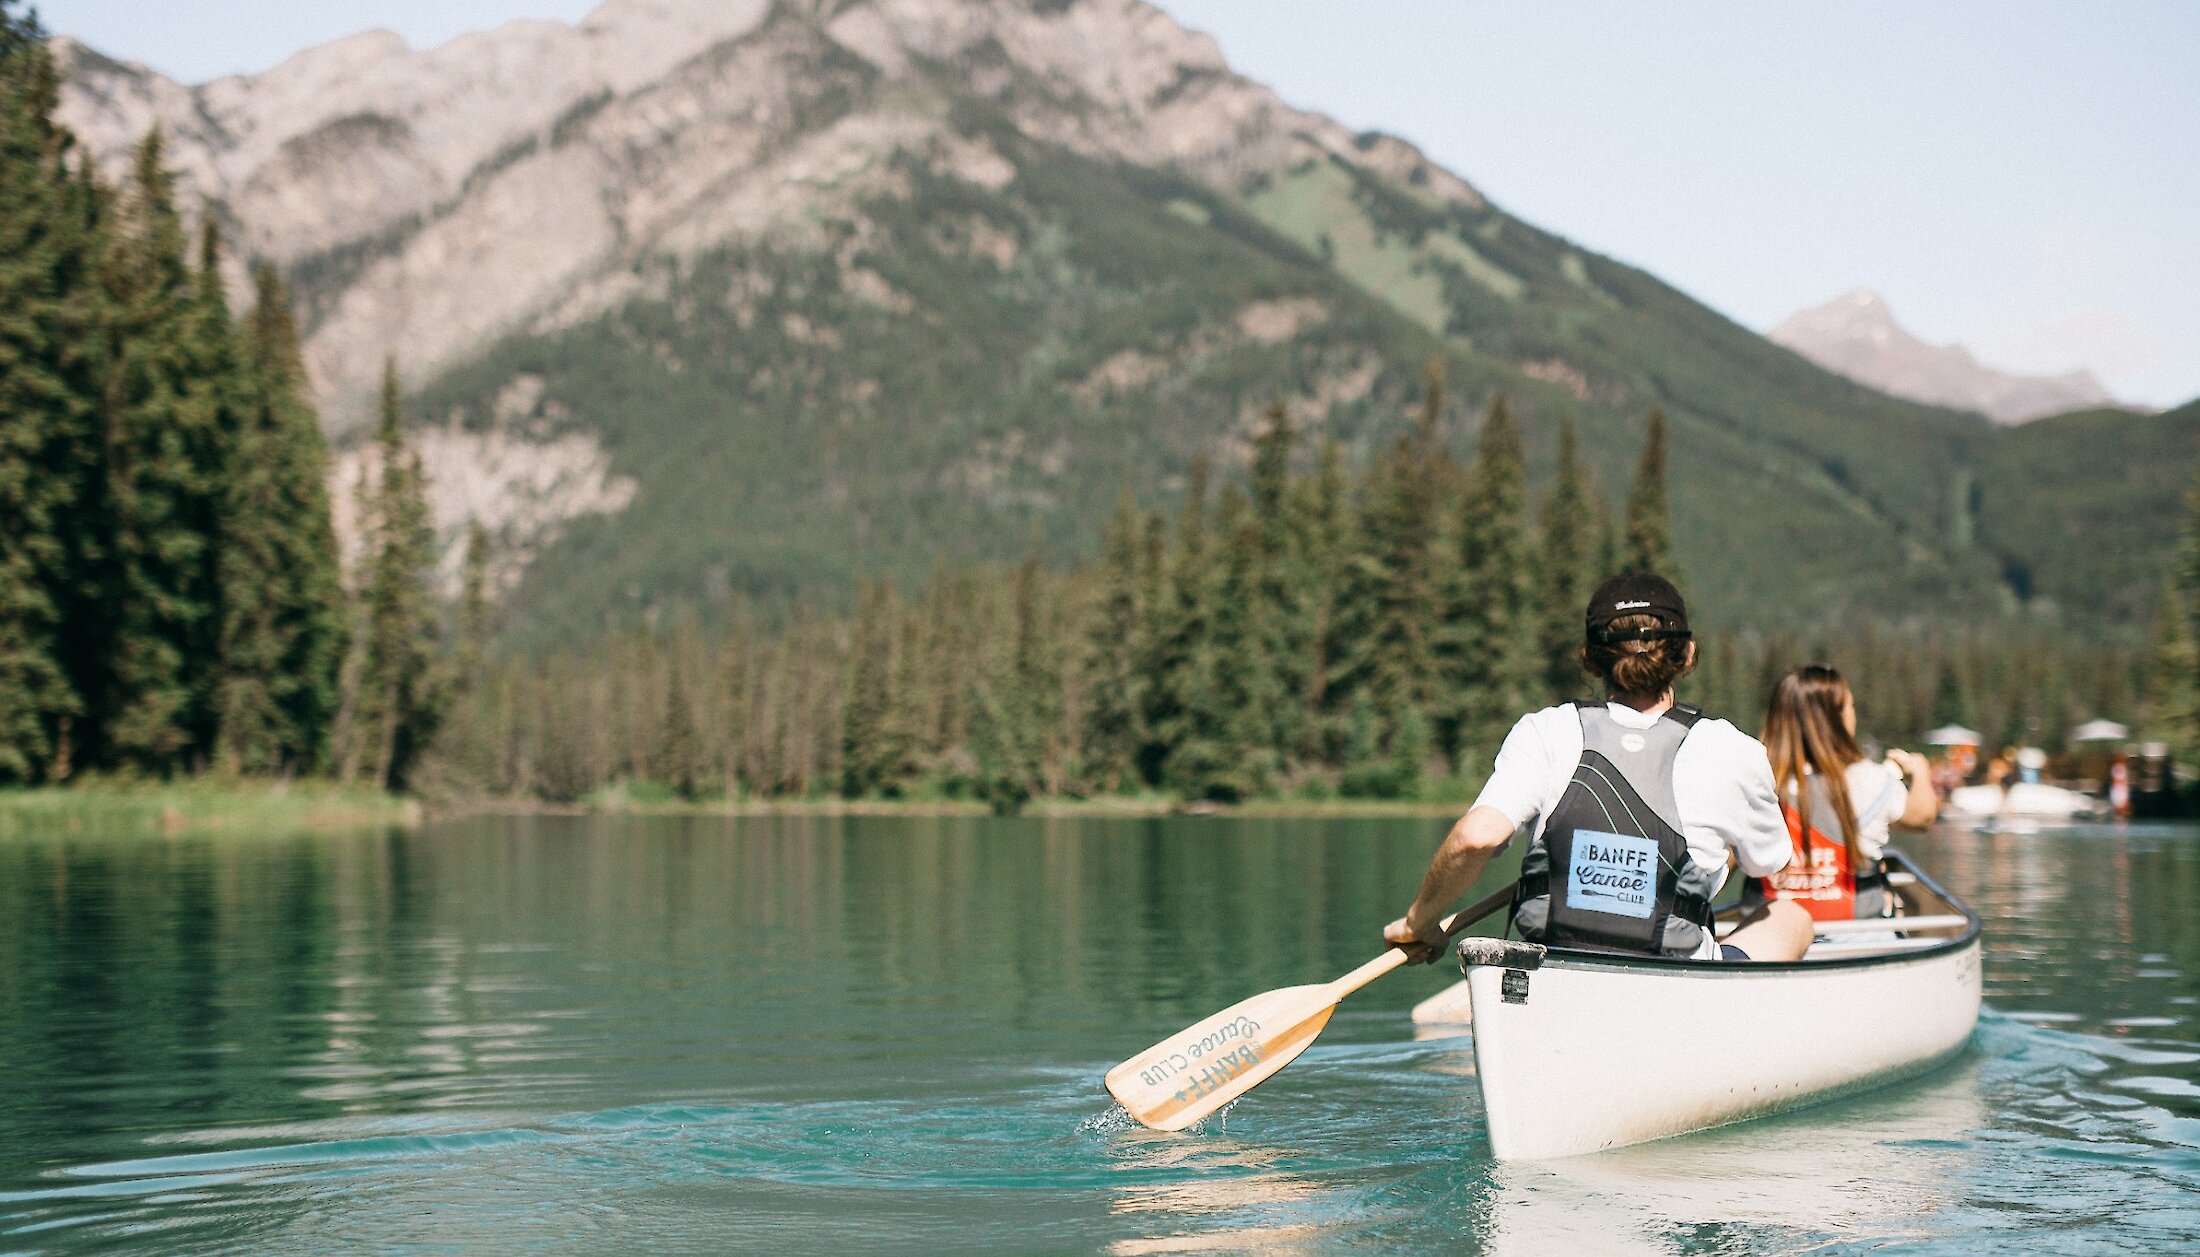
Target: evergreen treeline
[171, 598]
[1309, 631]
[167, 570]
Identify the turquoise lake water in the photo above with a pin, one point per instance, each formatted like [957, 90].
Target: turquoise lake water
[777, 1035]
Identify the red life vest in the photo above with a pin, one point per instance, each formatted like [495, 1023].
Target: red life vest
[1820, 877]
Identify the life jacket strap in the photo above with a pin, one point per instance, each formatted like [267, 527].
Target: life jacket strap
[1683, 714]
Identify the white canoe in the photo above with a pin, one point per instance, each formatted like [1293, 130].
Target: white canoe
[1578, 1051]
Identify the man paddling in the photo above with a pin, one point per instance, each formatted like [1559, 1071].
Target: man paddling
[1633, 806]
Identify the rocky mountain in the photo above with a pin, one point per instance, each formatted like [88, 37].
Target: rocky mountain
[1856, 335]
[717, 298]
[428, 202]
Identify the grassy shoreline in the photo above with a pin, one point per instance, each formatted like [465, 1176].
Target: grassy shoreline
[620, 802]
[168, 809]
[172, 809]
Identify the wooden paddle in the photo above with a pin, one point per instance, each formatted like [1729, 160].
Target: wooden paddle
[1201, 1068]
[1448, 1007]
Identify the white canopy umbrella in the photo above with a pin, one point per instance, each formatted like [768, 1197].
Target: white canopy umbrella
[1953, 735]
[2099, 731]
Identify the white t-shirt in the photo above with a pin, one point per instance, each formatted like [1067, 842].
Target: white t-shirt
[1877, 792]
[1722, 785]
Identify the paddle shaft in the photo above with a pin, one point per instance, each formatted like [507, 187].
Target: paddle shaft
[1393, 957]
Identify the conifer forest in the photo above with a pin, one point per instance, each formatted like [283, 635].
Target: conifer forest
[173, 600]
[1306, 630]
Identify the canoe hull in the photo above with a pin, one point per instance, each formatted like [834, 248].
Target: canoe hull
[1598, 1052]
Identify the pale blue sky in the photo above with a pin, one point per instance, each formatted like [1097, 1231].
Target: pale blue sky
[2019, 175]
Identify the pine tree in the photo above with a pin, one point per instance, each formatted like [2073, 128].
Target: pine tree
[276, 592]
[398, 703]
[948, 599]
[1114, 720]
[736, 686]
[1649, 525]
[1036, 661]
[1569, 538]
[1392, 596]
[1185, 709]
[864, 753]
[165, 418]
[472, 741]
[1008, 728]
[471, 635]
[1495, 667]
[47, 394]
[217, 394]
[680, 755]
[1277, 584]
[906, 713]
[1248, 691]
[1327, 545]
[1153, 601]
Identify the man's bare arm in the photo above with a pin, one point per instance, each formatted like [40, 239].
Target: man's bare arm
[1458, 862]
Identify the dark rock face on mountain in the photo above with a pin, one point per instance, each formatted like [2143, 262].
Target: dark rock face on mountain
[1856, 335]
[715, 298]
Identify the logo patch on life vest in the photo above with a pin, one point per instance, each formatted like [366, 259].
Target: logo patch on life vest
[1615, 873]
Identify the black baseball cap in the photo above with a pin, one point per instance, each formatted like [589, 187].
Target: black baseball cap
[1636, 593]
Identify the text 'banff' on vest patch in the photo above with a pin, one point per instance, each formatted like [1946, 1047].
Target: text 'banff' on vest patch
[1614, 873]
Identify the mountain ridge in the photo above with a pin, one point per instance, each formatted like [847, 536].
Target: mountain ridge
[1856, 335]
[861, 286]
[281, 157]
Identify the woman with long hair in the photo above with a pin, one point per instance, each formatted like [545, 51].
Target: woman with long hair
[1838, 804]
[1633, 805]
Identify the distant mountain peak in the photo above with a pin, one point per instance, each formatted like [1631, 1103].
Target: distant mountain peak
[1856, 335]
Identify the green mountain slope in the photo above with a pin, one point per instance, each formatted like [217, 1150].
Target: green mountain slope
[2083, 509]
[962, 368]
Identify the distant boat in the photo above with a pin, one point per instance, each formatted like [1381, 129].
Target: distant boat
[1955, 735]
[2029, 800]
[1577, 1051]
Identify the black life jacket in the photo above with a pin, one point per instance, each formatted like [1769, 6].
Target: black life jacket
[1612, 849]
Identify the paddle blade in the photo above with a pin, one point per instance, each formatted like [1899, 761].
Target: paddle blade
[1201, 1068]
[1448, 1007]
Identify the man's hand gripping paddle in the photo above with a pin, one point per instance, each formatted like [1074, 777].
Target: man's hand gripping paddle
[1201, 1068]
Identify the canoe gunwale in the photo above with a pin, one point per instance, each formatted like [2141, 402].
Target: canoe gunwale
[1568, 957]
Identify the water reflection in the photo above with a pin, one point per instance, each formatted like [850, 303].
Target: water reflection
[757, 1034]
[1871, 1167]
